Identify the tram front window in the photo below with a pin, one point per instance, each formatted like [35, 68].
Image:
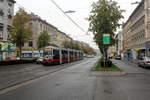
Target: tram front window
[48, 55]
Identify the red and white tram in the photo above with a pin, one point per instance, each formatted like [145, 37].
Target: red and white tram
[56, 55]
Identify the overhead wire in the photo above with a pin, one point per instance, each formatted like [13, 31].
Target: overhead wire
[68, 16]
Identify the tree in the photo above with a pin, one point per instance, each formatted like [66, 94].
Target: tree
[71, 45]
[21, 31]
[104, 18]
[66, 44]
[43, 40]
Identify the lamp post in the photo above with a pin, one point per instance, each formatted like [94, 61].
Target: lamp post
[70, 11]
[135, 3]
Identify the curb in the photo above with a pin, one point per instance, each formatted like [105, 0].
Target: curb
[109, 73]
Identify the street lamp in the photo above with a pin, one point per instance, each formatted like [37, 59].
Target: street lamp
[70, 11]
[135, 3]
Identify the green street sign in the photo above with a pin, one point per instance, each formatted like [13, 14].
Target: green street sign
[106, 38]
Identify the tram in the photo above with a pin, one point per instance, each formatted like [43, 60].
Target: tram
[56, 55]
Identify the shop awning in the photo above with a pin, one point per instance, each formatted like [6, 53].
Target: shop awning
[1, 43]
[137, 49]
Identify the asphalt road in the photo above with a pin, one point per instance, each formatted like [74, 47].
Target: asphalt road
[15, 74]
[77, 83]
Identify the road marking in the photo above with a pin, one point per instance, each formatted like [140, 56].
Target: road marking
[4, 91]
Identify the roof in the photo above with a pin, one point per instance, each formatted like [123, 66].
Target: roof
[64, 34]
[136, 9]
[36, 17]
[13, 1]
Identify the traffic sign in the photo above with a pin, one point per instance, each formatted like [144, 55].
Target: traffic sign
[106, 38]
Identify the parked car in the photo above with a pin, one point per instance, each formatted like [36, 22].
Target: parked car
[90, 56]
[144, 62]
[110, 57]
[118, 57]
[39, 60]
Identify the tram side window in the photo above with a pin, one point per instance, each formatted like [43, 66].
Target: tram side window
[56, 54]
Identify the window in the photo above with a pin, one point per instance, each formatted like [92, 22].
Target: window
[0, 47]
[22, 44]
[1, 12]
[30, 43]
[1, 31]
[9, 14]
[10, 4]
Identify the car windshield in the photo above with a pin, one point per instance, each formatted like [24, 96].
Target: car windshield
[146, 58]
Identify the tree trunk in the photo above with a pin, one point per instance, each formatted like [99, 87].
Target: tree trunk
[105, 56]
[20, 51]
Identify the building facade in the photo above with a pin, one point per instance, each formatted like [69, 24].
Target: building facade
[6, 15]
[136, 32]
[61, 37]
[119, 45]
[111, 51]
[39, 25]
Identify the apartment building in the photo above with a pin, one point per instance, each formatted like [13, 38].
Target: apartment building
[61, 38]
[57, 37]
[6, 15]
[119, 46]
[136, 33]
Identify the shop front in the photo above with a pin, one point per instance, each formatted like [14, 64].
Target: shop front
[148, 49]
[141, 53]
[7, 51]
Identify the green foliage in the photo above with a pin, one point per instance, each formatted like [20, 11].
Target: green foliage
[99, 67]
[22, 29]
[43, 40]
[113, 68]
[71, 45]
[88, 50]
[104, 18]
[79, 46]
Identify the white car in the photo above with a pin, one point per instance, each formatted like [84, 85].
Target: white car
[39, 60]
[144, 62]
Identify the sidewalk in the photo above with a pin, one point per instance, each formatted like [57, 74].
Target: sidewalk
[132, 86]
[135, 61]
[129, 66]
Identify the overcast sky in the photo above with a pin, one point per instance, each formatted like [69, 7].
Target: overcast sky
[49, 12]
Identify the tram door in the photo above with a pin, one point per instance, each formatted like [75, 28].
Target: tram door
[64, 56]
[71, 55]
[56, 56]
[76, 56]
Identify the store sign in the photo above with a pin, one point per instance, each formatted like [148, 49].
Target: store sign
[106, 38]
[8, 47]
